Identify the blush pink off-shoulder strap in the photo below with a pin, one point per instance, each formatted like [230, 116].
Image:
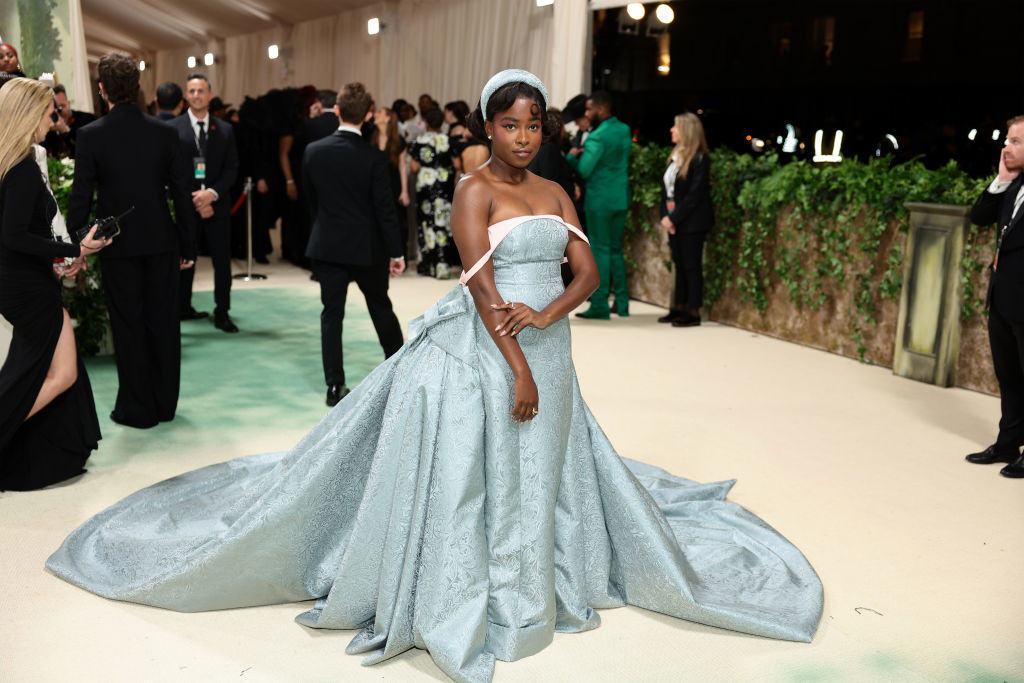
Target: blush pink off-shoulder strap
[500, 230]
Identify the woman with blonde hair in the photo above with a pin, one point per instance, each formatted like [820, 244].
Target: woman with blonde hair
[687, 216]
[48, 424]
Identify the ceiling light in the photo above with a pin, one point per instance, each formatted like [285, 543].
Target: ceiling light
[142, 65]
[635, 11]
[664, 13]
[191, 61]
[208, 59]
[545, 3]
[273, 52]
[373, 26]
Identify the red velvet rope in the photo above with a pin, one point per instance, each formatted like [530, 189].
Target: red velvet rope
[238, 204]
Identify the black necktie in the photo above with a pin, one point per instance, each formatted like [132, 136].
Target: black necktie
[202, 137]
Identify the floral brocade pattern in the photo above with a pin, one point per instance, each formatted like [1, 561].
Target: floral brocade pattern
[420, 514]
[435, 187]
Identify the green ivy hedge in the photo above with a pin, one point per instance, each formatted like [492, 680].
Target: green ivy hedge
[807, 226]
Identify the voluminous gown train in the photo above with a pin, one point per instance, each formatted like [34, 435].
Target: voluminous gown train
[418, 512]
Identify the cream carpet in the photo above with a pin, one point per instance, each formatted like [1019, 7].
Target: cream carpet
[920, 553]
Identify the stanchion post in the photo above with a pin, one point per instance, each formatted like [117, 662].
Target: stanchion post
[249, 275]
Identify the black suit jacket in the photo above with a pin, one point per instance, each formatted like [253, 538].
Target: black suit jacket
[133, 159]
[221, 159]
[693, 212]
[348, 188]
[551, 164]
[1006, 287]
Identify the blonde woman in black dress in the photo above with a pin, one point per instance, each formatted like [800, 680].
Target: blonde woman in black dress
[48, 424]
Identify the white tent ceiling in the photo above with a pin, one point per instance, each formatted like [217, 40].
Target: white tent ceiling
[142, 27]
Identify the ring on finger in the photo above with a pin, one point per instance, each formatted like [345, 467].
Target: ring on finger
[535, 411]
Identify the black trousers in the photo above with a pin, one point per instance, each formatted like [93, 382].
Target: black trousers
[142, 297]
[217, 231]
[373, 282]
[1006, 338]
[687, 255]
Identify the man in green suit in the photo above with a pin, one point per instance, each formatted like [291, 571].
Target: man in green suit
[602, 163]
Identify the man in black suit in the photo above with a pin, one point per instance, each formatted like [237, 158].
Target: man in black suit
[169, 101]
[1003, 204]
[355, 233]
[208, 146]
[132, 160]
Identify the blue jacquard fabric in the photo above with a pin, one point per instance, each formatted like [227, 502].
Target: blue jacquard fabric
[419, 513]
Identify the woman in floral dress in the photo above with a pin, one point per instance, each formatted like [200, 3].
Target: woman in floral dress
[431, 161]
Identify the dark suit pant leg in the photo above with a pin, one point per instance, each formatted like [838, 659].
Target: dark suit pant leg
[1006, 339]
[617, 261]
[163, 331]
[334, 279]
[123, 280]
[373, 281]
[218, 238]
[687, 255]
[599, 226]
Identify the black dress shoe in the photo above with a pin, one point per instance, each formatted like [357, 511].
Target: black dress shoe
[671, 317]
[1015, 470]
[991, 455]
[336, 392]
[223, 322]
[129, 423]
[686, 319]
[193, 314]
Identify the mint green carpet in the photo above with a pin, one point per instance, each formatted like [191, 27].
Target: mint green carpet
[267, 378]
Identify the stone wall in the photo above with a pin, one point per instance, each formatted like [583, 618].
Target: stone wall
[830, 327]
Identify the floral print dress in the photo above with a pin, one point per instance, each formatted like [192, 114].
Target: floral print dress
[435, 186]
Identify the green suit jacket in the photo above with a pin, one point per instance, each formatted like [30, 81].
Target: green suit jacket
[603, 165]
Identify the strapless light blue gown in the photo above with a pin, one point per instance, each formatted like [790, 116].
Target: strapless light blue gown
[419, 513]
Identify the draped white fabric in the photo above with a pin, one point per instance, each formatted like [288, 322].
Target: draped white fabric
[82, 86]
[447, 48]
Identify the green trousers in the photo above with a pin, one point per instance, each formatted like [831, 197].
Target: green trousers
[605, 229]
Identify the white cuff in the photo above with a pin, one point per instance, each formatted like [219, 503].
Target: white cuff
[399, 259]
[212, 191]
[998, 186]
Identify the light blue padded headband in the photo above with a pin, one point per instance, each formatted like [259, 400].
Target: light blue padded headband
[510, 76]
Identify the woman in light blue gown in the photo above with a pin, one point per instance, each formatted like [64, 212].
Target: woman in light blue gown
[462, 499]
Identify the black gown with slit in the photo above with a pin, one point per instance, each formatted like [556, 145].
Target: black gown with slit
[53, 444]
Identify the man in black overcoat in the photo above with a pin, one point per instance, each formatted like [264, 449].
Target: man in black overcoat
[1002, 203]
[134, 160]
[208, 147]
[355, 234]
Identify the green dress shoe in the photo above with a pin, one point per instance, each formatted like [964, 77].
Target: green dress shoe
[591, 314]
